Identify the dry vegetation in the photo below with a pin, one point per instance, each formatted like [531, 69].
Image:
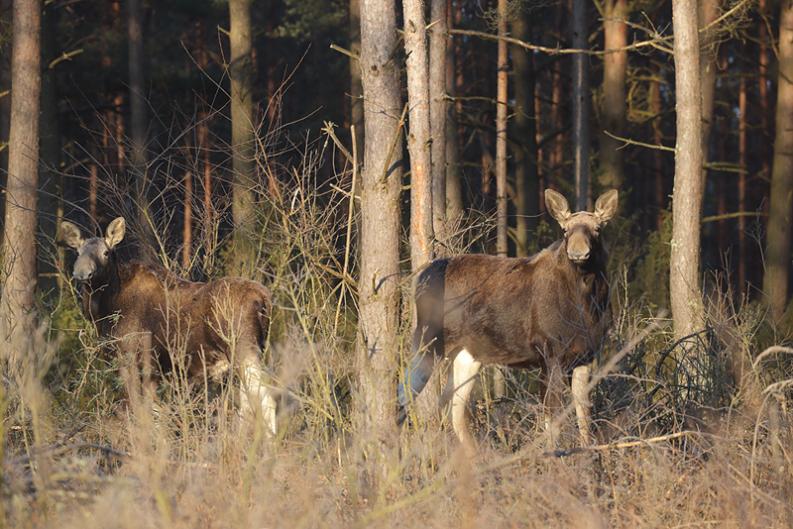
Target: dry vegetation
[80, 454]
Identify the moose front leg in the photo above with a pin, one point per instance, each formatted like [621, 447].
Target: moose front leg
[137, 364]
[256, 398]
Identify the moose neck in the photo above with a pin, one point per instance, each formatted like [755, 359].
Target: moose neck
[98, 296]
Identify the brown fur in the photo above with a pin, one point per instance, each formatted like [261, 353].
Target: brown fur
[180, 315]
[521, 312]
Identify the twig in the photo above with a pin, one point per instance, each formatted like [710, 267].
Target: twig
[623, 444]
[629, 141]
[350, 212]
[65, 56]
[549, 50]
[345, 51]
[735, 215]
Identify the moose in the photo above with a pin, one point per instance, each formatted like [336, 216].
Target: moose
[154, 316]
[545, 311]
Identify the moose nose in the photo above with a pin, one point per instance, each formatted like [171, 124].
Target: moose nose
[82, 275]
[579, 257]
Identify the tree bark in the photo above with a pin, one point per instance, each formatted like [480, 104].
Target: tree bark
[615, 65]
[137, 98]
[421, 235]
[356, 91]
[242, 134]
[708, 12]
[438, 116]
[187, 221]
[580, 104]
[378, 286]
[50, 150]
[658, 136]
[501, 133]
[527, 187]
[742, 185]
[684, 286]
[775, 281]
[19, 247]
[454, 190]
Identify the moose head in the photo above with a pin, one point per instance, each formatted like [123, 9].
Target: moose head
[581, 229]
[94, 255]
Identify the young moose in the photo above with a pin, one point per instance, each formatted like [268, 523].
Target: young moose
[154, 314]
[543, 311]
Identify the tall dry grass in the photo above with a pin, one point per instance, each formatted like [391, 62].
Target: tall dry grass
[78, 453]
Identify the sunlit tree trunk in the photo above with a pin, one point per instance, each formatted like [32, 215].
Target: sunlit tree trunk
[378, 286]
[775, 281]
[242, 134]
[615, 65]
[581, 97]
[421, 235]
[438, 115]
[526, 183]
[501, 133]
[187, 221]
[686, 297]
[17, 303]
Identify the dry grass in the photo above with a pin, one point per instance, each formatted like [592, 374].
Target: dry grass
[77, 454]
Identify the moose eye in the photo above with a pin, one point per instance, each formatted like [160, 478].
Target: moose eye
[107, 253]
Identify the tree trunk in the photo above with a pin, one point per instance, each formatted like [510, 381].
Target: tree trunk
[527, 187]
[50, 151]
[421, 235]
[356, 91]
[137, 99]
[615, 65]
[187, 229]
[454, 190]
[708, 12]
[242, 135]
[684, 286]
[658, 137]
[775, 282]
[501, 133]
[742, 185]
[438, 116]
[378, 286]
[19, 247]
[581, 105]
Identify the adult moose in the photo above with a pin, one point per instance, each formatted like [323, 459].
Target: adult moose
[544, 311]
[153, 314]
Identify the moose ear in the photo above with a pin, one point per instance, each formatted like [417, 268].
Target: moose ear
[606, 205]
[115, 232]
[69, 234]
[557, 205]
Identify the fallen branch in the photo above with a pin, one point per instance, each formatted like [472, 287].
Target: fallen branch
[619, 445]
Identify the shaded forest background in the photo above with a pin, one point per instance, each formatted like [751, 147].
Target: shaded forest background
[300, 83]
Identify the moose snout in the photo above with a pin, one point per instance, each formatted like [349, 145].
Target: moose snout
[578, 257]
[82, 275]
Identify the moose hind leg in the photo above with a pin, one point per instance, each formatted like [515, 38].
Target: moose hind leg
[464, 374]
[416, 377]
[256, 398]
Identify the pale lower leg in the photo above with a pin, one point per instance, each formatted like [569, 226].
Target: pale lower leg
[464, 372]
[256, 398]
[579, 385]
